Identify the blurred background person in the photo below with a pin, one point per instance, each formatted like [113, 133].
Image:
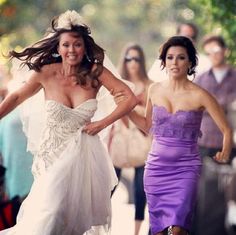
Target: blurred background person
[231, 199]
[220, 81]
[217, 184]
[15, 157]
[2, 189]
[128, 146]
[13, 144]
[8, 207]
[191, 31]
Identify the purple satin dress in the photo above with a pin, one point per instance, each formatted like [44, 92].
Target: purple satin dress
[173, 168]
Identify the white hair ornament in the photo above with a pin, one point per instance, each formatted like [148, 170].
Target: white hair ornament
[69, 18]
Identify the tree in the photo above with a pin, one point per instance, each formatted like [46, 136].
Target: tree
[114, 23]
[218, 17]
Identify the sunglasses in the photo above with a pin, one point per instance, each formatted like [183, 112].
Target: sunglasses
[135, 59]
[214, 50]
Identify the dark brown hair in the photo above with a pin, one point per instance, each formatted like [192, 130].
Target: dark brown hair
[192, 26]
[43, 52]
[122, 64]
[214, 38]
[182, 42]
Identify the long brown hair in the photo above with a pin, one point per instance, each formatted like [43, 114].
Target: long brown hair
[45, 52]
[122, 64]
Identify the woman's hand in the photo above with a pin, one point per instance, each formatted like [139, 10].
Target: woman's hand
[109, 81]
[118, 96]
[93, 128]
[218, 115]
[221, 158]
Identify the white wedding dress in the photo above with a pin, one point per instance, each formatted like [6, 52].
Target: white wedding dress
[74, 177]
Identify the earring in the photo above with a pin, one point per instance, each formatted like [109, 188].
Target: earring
[87, 57]
[55, 55]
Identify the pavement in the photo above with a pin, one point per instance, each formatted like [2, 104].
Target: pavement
[123, 214]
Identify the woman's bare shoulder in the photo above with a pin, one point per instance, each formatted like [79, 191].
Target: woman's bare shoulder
[198, 90]
[200, 95]
[49, 70]
[155, 86]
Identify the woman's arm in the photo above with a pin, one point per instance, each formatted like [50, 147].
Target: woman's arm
[142, 104]
[12, 100]
[217, 114]
[143, 123]
[110, 82]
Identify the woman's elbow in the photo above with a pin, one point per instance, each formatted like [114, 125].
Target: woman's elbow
[14, 97]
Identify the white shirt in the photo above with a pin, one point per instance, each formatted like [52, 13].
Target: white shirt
[219, 74]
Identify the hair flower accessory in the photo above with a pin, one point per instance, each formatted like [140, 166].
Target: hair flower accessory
[69, 18]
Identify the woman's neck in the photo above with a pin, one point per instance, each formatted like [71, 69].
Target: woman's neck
[69, 70]
[135, 78]
[177, 83]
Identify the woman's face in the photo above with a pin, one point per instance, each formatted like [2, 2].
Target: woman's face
[71, 48]
[177, 61]
[132, 61]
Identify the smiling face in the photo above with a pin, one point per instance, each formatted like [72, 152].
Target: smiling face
[71, 48]
[177, 62]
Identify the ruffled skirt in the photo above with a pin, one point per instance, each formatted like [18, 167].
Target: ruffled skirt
[73, 196]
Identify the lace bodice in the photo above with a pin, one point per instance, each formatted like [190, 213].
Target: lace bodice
[62, 123]
[182, 124]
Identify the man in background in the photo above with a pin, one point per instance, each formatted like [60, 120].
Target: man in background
[220, 81]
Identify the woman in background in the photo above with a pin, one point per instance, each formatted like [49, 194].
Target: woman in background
[132, 68]
[13, 148]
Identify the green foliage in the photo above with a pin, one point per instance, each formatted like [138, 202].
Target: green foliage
[116, 22]
[218, 17]
[113, 23]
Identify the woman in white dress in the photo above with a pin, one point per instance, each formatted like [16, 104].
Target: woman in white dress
[73, 175]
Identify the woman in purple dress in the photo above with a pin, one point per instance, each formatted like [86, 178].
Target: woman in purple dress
[173, 114]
